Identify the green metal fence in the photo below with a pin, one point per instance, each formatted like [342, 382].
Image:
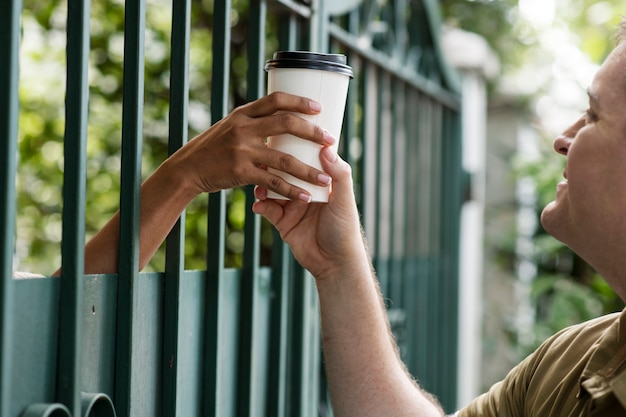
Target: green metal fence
[245, 342]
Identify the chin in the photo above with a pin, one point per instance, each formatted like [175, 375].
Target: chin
[554, 221]
[547, 215]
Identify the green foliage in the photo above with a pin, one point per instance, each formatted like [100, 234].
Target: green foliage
[562, 301]
[517, 40]
[568, 302]
[492, 19]
[42, 90]
[595, 26]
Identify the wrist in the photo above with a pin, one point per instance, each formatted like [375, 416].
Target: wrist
[347, 270]
[173, 175]
[353, 257]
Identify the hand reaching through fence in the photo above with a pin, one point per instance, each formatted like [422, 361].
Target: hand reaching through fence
[229, 154]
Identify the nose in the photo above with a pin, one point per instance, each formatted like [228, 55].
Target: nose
[562, 143]
[564, 140]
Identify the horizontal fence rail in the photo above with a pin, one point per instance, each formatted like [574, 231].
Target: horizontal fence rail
[241, 335]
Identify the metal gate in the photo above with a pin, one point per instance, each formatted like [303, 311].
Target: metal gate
[223, 341]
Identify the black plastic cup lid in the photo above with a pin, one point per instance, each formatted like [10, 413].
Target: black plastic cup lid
[310, 60]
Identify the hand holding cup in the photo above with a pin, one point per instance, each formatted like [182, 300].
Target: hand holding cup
[320, 77]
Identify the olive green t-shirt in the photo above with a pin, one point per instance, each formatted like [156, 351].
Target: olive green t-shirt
[578, 372]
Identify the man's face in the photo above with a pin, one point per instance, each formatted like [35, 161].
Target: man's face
[589, 211]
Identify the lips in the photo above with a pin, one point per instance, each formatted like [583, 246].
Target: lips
[560, 188]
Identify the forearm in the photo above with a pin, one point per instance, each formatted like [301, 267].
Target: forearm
[164, 196]
[365, 374]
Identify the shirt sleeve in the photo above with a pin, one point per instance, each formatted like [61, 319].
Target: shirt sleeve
[507, 398]
[502, 399]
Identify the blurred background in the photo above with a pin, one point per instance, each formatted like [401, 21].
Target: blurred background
[525, 81]
[525, 67]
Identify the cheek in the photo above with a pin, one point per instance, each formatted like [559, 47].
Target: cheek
[587, 183]
[596, 197]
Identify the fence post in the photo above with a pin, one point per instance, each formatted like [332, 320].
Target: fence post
[213, 403]
[175, 246]
[128, 271]
[10, 11]
[74, 189]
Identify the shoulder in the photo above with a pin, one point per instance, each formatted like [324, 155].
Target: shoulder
[580, 336]
[559, 361]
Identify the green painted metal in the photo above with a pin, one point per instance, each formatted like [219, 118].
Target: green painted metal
[10, 12]
[74, 190]
[240, 342]
[37, 329]
[414, 240]
[129, 376]
[98, 341]
[277, 381]
[253, 344]
[219, 369]
[178, 398]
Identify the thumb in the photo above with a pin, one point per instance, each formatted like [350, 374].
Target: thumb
[341, 173]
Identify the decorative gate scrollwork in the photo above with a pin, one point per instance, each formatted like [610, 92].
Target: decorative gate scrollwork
[91, 405]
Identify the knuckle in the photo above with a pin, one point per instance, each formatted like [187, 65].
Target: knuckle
[287, 121]
[275, 98]
[318, 132]
[237, 113]
[238, 168]
[285, 162]
[239, 128]
[312, 174]
[275, 182]
[347, 169]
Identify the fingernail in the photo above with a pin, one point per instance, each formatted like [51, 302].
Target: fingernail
[323, 179]
[305, 197]
[315, 106]
[328, 138]
[330, 154]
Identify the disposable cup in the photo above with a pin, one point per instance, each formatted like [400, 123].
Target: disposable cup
[320, 77]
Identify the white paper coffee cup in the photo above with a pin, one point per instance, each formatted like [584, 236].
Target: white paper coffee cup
[320, 77]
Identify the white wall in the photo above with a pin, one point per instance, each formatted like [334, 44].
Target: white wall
[474, 60]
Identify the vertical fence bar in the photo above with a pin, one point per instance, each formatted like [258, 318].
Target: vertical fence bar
[213, 366]
[396, 136]
[369, 165]
[409, 265]
[398, 149]
[296, 337]
[377, 197]
[288, 32]
[349, 123]
[450, 225]
[429, 248]
[132, 131]
[281, 390]
[249, 340]
[10, 11]
[361, 129]
[277, 353]
[175, 243]
[74, 184]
